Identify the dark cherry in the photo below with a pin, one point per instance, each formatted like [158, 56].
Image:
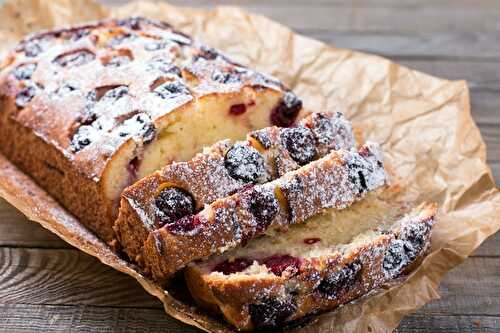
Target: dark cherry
[264, 206]
[285, 113]
[341, 281]
[120, 39]
[164, 66]
[244, 163]
[133, 167]
[174, 203]
[225, 77]
[184, 225]
[110, 92]
[25, 96]
[133, 23]
[279, 263]
[171, 89]
[65, 89]
[312, 240]
[83, 137]
[271, 313]
[113, 94]
[147, 131]
[395, 258]
[32, 48]
[237, 109]
[77, 33]
[74, 58]
[207, 53]
[234, 266]
[24, 71]
[300, 143]
[179, 38]
[118, 61]
[323, 129]
[142, 127]
[414, 239]
[155, 46]
[358, 170]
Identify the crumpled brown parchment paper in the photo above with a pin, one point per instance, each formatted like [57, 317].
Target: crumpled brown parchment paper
[423, 123]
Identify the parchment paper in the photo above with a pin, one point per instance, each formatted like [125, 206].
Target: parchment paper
[423, 123]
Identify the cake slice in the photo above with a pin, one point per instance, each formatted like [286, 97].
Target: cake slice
[334, 181]
[88, 110]
[329, 261]
[182, 188]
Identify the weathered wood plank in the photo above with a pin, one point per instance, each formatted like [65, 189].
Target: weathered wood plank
[491, 135]
[449, 323]
[57, 277]
[490, 247]
[481, 296]
[332, 3]
[82, 318]
[431, 45]
[29, 318]
[495, 169]
[17, 230]
[373, 18]
[42, 276]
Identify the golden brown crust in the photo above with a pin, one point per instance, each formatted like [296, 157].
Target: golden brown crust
[250, 301]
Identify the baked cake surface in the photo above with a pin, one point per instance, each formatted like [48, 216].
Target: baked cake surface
[331, 260]
[88, 110]
[182, 188]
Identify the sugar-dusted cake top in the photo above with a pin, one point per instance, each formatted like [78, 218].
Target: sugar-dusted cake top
[89, 89]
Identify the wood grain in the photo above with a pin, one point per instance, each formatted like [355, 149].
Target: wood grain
[58, 277]
[83, 318]
[449, 323]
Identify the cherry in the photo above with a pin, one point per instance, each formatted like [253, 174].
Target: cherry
[74, 58]
[300, 143]
[233, 266]
[244, 163]
[279, 263]
[174, 203]
[270, 312]
[340, 281]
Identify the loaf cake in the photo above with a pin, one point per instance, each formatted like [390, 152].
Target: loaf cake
[181, 188]
[334, 181]
[88, 110]
[333, 259]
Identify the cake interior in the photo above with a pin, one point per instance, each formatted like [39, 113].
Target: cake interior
[183, 133]
[321, 236]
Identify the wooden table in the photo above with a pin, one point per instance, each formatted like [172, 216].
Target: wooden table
[46, 285]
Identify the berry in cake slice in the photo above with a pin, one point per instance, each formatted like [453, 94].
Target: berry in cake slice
[183, 188]
[331, 260]
[334, 181]
[88, 110]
